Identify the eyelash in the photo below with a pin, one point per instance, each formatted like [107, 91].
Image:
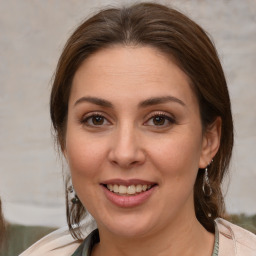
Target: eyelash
[170, 119]
[85, 120]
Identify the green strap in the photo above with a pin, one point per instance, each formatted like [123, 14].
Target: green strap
[216, 242]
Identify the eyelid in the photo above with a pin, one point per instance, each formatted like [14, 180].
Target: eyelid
[164, 114]
[89, 115]
[160, 113]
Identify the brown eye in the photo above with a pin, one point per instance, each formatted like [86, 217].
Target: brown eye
[159, 120]
[97, 120]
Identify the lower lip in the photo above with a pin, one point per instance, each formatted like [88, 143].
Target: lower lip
[127, 200]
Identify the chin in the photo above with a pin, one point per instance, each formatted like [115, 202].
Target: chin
[130, 227]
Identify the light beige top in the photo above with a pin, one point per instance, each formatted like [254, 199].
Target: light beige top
[233, 241]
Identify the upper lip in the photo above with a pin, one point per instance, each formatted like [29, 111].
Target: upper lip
[128, 182]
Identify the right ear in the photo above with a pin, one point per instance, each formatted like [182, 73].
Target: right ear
[211, 143]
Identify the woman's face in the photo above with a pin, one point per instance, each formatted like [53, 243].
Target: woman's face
[134, 127]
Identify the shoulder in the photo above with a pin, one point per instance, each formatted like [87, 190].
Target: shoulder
[235, 239]
[59, 242]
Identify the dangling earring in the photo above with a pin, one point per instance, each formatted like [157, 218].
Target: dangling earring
[206, 183]
[74, 199]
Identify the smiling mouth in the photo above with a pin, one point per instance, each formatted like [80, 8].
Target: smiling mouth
[131, 190]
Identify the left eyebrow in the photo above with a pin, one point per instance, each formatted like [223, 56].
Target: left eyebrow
[160, 100]
[95, 100]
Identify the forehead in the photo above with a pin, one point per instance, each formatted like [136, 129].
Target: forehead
[128, 72]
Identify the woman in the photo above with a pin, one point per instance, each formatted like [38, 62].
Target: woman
[142, 115]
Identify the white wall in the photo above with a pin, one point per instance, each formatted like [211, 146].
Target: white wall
[32, 34]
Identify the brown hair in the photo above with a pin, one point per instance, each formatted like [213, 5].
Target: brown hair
[2, 226]
[177, 36]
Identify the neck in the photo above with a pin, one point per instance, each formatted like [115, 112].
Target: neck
[185, 238]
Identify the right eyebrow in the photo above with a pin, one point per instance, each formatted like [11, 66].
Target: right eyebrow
[161, 100]
[94, 100]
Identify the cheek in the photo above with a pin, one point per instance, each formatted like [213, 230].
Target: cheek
[177, 157]
[85, 158]
[84, 155]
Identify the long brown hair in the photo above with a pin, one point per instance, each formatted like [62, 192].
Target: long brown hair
[177, 36]
[2, 226]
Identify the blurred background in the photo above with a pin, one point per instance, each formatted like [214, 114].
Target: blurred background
[32, 35]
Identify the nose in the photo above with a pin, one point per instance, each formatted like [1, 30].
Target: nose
[126, 148]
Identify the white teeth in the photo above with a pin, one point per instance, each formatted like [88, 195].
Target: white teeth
[122, 189]
[110, 187]
[138, 188]
[130, 190]
[116, 188]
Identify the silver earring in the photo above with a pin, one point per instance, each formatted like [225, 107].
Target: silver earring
[206, 183]
[74, 199]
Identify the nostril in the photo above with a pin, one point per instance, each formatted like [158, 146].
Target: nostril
[126, 156]
[125, 164]
[114, 162]
[134, 163]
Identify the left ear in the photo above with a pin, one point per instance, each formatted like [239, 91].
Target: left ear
[210, 143]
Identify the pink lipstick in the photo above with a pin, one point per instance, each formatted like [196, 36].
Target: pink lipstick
[128, 193]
